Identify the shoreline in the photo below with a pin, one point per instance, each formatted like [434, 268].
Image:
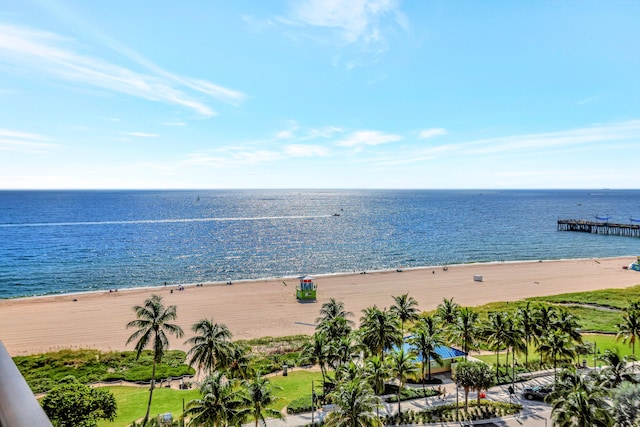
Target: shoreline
[284, 278]
[266, 307]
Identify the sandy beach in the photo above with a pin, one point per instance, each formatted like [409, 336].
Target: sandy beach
[269, 308]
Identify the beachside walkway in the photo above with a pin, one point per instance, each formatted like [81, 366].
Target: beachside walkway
[533, 414]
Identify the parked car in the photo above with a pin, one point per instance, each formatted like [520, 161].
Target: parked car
[536, 393]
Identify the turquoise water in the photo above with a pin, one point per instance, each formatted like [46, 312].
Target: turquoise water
[73, 241]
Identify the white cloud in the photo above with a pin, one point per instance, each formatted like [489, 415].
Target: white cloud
[429, 133]
[363, 25]
[141, 134]
[302, 150]
[594, 134]
[11, 140]
[357, 20]
[368, 137]
[57, 57]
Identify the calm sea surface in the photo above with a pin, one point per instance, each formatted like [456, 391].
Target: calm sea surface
[72, 241]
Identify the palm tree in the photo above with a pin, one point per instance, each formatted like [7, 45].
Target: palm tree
[222, 403]
[629, 329]
[545, 319]
[426, 342]
[516, 341]
[153, 326]
[354, 402]
[317, 350]
[527, 325]
[379, 330]
[577, 402]
[496, 333]
[402, 365]
[626, 405]
[333, 309]
[237, 365]
[210, 346]
[447, 311]
[556, 344]
[260, 397]
[465, 329]
[615, 371]
[377, 373]
[344, 351]
[348, 372]
[405, 308]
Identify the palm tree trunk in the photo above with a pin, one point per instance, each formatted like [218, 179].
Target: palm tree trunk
[153, 382]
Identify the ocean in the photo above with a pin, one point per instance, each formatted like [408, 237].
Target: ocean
[54, 242]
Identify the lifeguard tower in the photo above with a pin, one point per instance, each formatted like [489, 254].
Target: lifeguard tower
[306, 291]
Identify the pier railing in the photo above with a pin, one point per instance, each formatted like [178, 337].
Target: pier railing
[599, 227]
[18, 405]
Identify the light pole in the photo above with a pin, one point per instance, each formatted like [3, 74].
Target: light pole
[313, 401]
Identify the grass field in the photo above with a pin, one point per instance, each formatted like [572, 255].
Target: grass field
[132, 401]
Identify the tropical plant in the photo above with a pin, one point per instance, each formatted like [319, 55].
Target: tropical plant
[355, 402]
[222, 403]
[557, 346]
[402, 365]
[317, 350]
[72, 404]
[333, 309]
[377, 372]
[210, 347]
[447, 311]
[616, 369]
[464, 378]
[626, 405]
[578, 402]
[153, 326]
[260, 397]
[496, 333]
[629, 328]
[344, 351]
[238, 360]
[405, 308]
[482, 378]
[348, 372]
[464, 331]
[426, 340]
[379, 330]
[527, 324]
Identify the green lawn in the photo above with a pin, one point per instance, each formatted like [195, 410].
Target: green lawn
[132, 403]
[295, 385]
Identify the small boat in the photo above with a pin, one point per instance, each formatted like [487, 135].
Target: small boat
[336, 214]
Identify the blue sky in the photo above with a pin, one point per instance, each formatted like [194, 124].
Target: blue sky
[319, 94]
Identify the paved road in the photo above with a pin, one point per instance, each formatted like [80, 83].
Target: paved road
[534, 414]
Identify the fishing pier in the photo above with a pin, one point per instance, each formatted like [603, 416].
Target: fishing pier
[599, 227]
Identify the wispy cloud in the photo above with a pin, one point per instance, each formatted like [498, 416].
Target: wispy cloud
[303, 150]
[587, 100]
[430, 133]
[367, 137]
[11, 140]
[360, 23]
[600, 135]
[58, 57]
[141, 134]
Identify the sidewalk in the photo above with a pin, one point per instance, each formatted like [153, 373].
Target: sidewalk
[533, 414]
